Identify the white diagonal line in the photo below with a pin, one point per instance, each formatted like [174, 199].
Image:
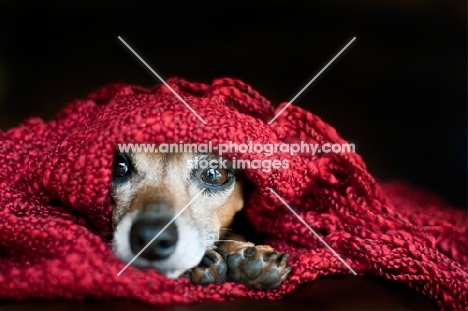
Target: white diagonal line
[312, 230]
[162, 230]
[162, 80]
[310, 82]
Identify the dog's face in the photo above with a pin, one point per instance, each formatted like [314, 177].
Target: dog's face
[150, 189]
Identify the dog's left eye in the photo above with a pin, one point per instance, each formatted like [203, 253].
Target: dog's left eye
[215, 176]
[120, 168]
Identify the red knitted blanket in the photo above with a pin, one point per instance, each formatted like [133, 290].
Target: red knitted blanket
[55, 207]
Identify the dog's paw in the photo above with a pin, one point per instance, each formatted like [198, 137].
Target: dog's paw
[211, 269]
[258, 266]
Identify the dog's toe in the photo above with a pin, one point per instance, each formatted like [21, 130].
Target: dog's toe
[259, 267]
[212, 269]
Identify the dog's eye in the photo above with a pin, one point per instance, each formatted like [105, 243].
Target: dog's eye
[214, 176]
[120, 168]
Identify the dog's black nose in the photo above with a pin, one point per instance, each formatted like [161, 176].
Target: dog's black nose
[145, 228]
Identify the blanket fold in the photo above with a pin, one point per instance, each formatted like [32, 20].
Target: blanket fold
[55, 207]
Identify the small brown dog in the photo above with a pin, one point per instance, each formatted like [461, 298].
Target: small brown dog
[150, 189]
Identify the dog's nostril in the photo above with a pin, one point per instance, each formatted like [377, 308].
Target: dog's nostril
[145, 228]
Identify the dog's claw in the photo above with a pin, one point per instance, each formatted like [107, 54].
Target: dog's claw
[211, 269]
[209, 259]
[250, 251]
[259, 267]
[221, 252]
[269, 256]
[282, 259]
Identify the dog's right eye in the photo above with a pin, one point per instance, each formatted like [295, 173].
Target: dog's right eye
[120, 168]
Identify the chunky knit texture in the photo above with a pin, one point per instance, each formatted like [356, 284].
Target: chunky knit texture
[55, 206]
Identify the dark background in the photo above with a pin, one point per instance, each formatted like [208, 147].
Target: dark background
[399, 92]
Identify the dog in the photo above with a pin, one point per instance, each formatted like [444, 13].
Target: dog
[150, 189]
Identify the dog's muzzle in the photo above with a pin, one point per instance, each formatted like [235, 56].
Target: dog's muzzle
[145, 227]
